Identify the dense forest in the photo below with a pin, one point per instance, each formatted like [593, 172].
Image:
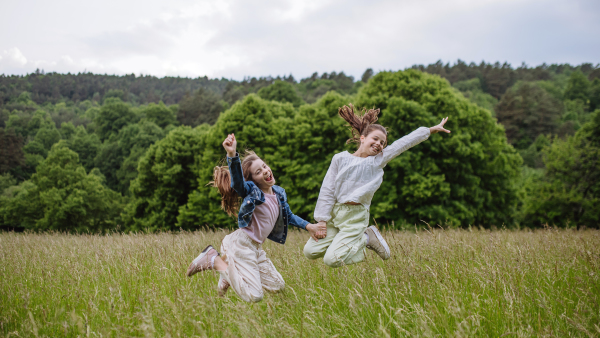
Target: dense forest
[88, 152]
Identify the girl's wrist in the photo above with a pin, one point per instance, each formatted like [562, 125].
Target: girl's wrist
[231, 155]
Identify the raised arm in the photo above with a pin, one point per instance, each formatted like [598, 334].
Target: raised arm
[403, 144]
[235, 167]
[326, 198]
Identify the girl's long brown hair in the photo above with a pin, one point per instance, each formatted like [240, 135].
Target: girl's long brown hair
[362, 123]
[230, 200]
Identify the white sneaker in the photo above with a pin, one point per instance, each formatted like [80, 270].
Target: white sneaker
[377, 243]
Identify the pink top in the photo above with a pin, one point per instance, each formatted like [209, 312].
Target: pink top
[263, 219]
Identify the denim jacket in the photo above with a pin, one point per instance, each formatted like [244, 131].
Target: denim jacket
[253, 196]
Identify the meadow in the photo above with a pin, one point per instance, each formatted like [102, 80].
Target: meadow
[501, 283]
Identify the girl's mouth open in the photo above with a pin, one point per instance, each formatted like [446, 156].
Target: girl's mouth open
[269, 177]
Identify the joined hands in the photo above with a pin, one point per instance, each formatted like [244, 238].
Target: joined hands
[317, 231]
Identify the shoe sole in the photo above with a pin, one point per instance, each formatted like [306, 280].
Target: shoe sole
[202, 254]
[382, 241]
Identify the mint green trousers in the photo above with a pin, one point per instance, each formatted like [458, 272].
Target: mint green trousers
[345, 242]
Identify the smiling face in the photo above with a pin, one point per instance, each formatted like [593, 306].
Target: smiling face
[373, 143]
[262, 175]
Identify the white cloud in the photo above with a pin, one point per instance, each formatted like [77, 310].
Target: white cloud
[13, 57]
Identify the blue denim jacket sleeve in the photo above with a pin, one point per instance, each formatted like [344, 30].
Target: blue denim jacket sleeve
[238, 183]
[293, 219]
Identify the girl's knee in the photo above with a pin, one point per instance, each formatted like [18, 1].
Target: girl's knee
[331, 260]
[310, 252]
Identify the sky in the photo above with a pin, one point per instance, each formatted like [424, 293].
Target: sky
[236, 39]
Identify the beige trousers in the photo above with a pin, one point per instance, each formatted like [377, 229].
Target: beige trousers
[345, 241]
[249, 270]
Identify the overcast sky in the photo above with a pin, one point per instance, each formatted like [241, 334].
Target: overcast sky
[237, 38]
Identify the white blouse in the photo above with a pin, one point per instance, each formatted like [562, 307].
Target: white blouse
[356, 179]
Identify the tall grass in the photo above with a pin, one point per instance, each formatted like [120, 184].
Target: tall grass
[438, 283]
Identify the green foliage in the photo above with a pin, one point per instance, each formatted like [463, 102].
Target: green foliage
[25, 98]
[554, 88]
[595, 95]
[35, 148]
[314, 87]
[127, 146]
[67, 130]
[61, 196]
[54, 87]
[577, 87]
[471, 89]
[17, 122]
[167, 174]
[11, 150]
[468, 85]
[527, 111]
[6, 181]
[47, 136]
[26, 124]
[160, 114]
[281, 91]
[86, 146]
[114, 115]
[532, 156]
[133, 142]
[114, 93]
[496, 78]
[203, 107]
[574, 116]
[569, 191]
[460, 178]
[108, 160]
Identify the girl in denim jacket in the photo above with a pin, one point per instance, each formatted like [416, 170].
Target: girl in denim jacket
[349, 185]
[263, 213]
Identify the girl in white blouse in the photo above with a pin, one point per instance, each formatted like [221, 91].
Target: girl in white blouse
[349, 186]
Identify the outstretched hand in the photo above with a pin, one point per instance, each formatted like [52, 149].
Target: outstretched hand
[317, 231]
[230, 145]
[439, 127]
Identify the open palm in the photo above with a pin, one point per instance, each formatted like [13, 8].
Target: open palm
[440, 127]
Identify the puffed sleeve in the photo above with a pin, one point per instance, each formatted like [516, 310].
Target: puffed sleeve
[326, 199]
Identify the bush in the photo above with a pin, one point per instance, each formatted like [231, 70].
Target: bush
[61, 196]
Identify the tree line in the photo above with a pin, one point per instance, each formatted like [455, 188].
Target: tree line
[525, 157]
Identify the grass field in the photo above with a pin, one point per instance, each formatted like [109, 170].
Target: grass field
[440, 283]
